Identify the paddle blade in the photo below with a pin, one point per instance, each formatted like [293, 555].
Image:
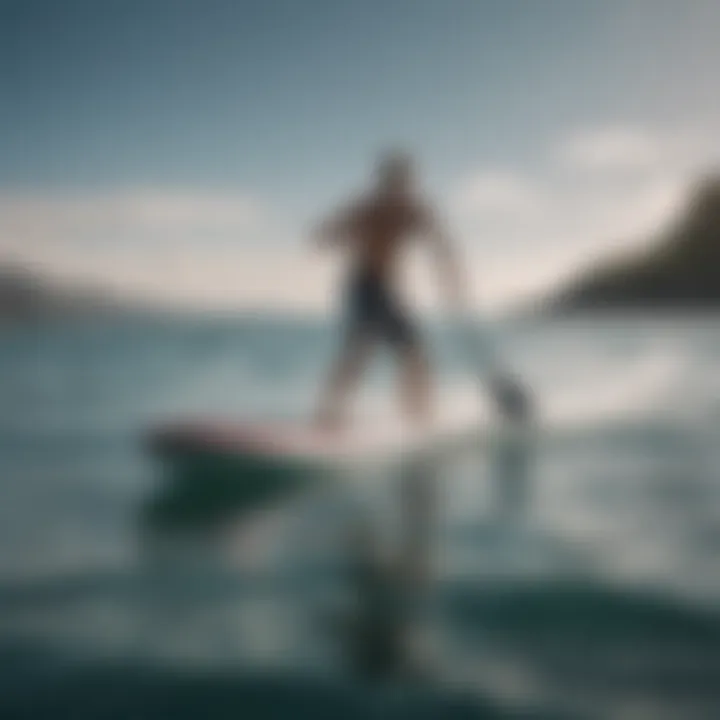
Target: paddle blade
[512, 399]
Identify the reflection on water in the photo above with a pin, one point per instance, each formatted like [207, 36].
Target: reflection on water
[511, 465]
[328, 554]
[391, 588]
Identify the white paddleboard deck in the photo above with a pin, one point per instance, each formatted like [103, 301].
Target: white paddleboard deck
[291, 444]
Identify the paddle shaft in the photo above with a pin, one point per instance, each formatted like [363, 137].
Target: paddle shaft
[510, 397]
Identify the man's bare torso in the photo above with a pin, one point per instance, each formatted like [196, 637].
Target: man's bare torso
[378, 227]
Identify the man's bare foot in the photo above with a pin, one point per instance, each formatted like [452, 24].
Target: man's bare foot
[330, 422]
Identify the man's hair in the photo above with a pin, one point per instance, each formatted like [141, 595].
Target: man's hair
[394, 164]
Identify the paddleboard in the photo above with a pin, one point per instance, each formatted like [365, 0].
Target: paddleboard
[296, 446]
[261, 459]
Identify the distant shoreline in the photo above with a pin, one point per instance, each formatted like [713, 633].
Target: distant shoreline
[680, 273]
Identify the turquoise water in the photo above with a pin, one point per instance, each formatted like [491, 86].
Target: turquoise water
[576, 572]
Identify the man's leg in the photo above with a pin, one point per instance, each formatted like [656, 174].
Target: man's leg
[343, 376]
[402, 334]
[415, 389]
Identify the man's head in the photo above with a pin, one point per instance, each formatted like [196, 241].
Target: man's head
[395, 172]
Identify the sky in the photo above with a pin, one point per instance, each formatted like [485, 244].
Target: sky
[179, 150]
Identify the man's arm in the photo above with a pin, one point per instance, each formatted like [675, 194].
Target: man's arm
[452, 279]
[336, 228]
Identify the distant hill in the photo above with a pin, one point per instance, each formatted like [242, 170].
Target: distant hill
[682, 272]
[25, 295]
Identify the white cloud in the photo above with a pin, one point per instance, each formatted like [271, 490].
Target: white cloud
[496, 191]
[649, 209]
[524, 255]
[140, 216]
[168, 246]
[611, 149]
[242, 278]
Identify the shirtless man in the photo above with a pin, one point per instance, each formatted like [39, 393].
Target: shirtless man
[374, 230]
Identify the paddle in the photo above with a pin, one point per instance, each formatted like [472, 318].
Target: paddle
[512, 399]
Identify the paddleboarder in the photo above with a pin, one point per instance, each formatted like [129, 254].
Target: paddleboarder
[374, 230]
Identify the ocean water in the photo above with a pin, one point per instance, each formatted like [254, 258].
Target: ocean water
[570, 571]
